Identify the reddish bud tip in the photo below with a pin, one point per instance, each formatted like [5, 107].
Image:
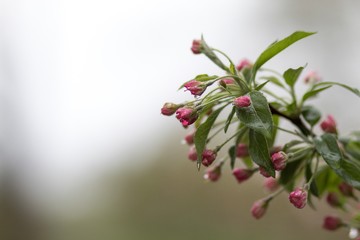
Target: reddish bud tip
[333, 199]
[263, 172]
[169, 109]
[258, 209]
[242, 174]
[242, 150]
[208, 157]
[332, 223]
[346, 189]
[243, 101]
[195, 87]
[279, 160]
[192, 155]
[244, 63]
[189, 138]
[186, 116]
[329, 125]
[271, 184]
[213, 174]
[298, 197]
[226, 81]
[312, 77]
[196, 46]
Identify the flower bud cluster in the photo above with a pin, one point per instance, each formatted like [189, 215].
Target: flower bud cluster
[300, 161]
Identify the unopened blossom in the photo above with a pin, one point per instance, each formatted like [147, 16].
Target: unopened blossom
[196, 46]
[169, 109]
[242, 174]
[333, 199]
[258, 209]
[332, 223]
[192, 154]
[263, 172]
[347, 190]
[195, 87]
[186, 116]
[312, 77]
[298, 197]
[189, 138]
[208, 157]
[244, 63]
[227, 81]
[242, 150]
[271, 184]
[279, 160]
[242, 102]
[329, 125]
[213, 174]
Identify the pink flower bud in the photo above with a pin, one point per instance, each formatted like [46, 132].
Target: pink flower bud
[242, 174]
[196, 46]
[242, 150]
[186, 116]
[258, 209]
[245, 63]
[333, 200]
[271, 184]
[208, 157]
[195, 87]
[263, 172]
[169, 109]
[279, 160]
[226, 81]
[192, 154]
[346, 189]
[243, 101]
[298, 197]
[329, 125]
[312, 77]
[332, 223]
[213, 174]
[189, 138]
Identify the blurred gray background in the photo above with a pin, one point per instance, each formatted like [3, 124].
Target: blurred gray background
[85, 153]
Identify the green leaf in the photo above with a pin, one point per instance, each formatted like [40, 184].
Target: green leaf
[276, 121]
[292, 75]
[287, 175]
[313, 93]
[233, 69]
[259, 87]
[232, 155]
[352, 145]
[274, 80]
[351, 89]
[326, 180]
[228, 120]
[205, 77]
[308, 175]
[291, 144]
[259, 151]
[257, 116]
[276, 48]
[202, 133]
[211, 55]
[347, 169]
[311, 115]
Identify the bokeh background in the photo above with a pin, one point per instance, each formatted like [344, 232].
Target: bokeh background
[84, 151]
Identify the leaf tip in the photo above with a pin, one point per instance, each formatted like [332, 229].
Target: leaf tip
[198, 165]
